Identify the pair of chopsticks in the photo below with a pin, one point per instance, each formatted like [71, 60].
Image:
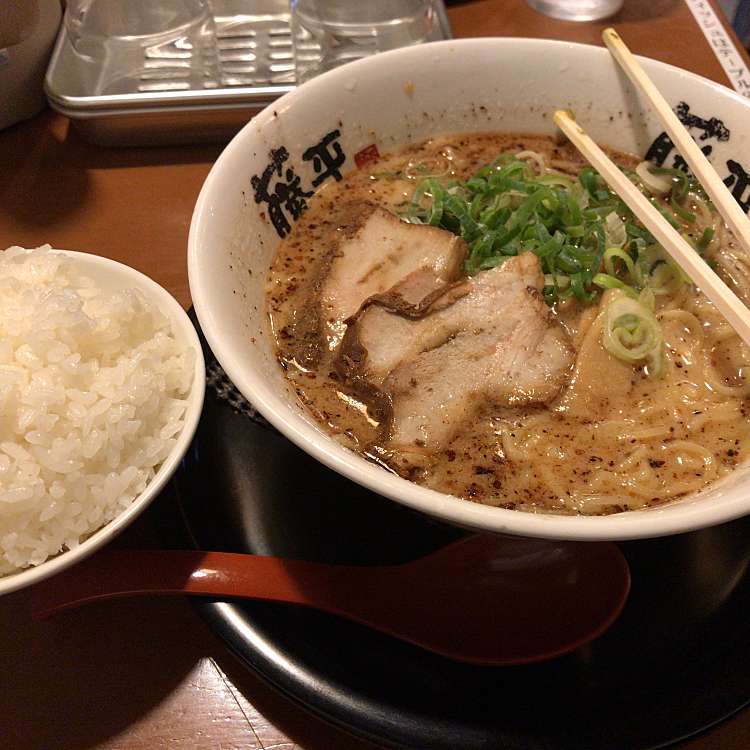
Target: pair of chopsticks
[699, 271]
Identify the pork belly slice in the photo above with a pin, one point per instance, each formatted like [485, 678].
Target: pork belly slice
[384, 335]
[521, 361]
[386, 254]
[373, 254]
[496, 345]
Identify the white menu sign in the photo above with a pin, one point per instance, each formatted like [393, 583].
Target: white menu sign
[723, 46]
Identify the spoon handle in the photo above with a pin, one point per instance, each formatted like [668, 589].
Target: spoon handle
[119, 573]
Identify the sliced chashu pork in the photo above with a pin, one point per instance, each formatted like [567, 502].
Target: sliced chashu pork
[386, 331]
[385, 254]
[382, 336]
[373, 253]
[491, 341]
[515, 356]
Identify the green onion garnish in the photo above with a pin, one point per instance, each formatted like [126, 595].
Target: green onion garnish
[586, 238]
[632, 333]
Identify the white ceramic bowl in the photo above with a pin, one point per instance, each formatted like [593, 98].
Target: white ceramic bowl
[110, 274]
[405, 96]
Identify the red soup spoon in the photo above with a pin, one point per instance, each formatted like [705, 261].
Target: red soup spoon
[484, 599]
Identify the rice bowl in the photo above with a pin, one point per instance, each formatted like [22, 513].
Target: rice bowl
[101, 387]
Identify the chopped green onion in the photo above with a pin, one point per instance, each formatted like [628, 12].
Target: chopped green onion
[587, 240]
[654, 184]
[612, 253]
[680, 182]
[632, 332]
[606, 281]
[556, 279]
[615, 230]
[683, 213]
[705, 240]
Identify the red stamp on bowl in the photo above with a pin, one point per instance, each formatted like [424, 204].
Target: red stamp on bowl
[367, 155]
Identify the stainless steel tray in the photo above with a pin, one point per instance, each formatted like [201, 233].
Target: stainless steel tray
[256, 67]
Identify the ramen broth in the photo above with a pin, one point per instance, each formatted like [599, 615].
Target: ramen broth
[614, 436]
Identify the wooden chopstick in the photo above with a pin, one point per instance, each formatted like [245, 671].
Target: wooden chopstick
[670, 239]
[702, 169]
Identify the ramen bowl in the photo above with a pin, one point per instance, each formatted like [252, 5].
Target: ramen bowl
[340, 122]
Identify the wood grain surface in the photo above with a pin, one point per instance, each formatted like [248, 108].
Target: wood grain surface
[148, 674]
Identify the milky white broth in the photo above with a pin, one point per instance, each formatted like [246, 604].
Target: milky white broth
[614, 439]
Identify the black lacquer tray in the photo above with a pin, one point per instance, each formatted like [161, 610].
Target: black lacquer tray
[676, 662]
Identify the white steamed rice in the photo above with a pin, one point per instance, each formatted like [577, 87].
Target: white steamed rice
[93, 393]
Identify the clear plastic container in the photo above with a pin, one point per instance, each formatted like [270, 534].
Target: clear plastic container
[577, 10]
[329, 33]
[144, 45]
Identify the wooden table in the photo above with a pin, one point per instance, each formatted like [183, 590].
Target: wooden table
[149, 674]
